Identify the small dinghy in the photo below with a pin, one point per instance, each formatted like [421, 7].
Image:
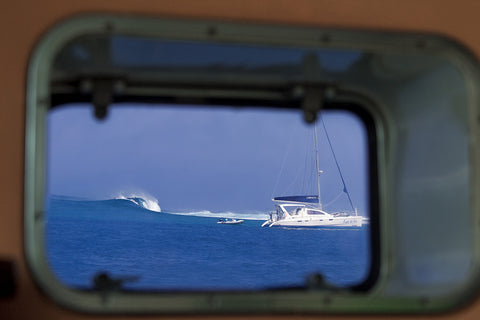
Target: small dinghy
[229, 221]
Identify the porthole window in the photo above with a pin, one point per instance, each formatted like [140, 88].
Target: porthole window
[253, 169]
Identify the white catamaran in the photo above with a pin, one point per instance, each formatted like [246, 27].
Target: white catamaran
[306, 211]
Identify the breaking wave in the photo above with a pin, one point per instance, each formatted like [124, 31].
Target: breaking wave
[142, 200]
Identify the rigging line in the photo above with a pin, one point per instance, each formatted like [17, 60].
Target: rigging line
[283, 161]
[335, 199]
[294, 181]
[306, 179]
[338, 166]
[300, 174]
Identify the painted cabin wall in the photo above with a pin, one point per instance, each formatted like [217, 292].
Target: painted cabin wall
[22, 23]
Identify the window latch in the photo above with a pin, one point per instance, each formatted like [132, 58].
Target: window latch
[312, 103]
[103, 94]
[107, 285]
[311, 92]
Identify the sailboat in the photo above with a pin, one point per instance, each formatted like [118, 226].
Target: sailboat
[307, 211]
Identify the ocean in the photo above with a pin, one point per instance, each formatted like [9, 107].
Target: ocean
[132, 238]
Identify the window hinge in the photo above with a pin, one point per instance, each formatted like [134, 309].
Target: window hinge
[103, 93]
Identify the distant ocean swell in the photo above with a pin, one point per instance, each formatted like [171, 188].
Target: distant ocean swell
[143, 201]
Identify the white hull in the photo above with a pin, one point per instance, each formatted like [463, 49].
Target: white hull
[354, 221]
[305, 216]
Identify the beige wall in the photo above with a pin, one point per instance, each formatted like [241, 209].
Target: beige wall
[22, 22]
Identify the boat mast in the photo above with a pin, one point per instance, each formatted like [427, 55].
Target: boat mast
[317, 166]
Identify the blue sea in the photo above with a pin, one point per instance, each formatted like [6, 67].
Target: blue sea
[162, 250]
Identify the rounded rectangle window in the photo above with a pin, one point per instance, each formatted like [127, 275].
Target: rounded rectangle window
[196, 167]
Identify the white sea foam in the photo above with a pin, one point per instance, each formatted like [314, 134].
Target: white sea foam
[141, 199]
[226, 214]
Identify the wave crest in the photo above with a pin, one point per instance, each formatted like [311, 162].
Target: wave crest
[143, 200]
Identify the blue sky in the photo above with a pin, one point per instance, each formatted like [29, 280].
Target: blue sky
[197, 158]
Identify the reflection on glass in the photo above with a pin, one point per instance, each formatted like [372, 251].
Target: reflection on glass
[140, 197]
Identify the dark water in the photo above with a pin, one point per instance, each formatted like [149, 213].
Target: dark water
[170, 251]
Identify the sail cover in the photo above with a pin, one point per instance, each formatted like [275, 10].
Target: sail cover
[302, 199]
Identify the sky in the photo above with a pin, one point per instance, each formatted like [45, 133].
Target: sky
[199, 158]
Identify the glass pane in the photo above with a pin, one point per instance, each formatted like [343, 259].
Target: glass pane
[140, 197]
[121, 54]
